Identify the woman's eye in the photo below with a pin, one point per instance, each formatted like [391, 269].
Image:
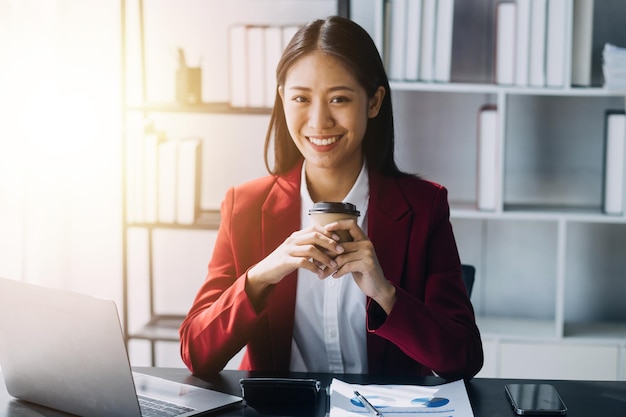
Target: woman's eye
[299, 99]
[340, 99]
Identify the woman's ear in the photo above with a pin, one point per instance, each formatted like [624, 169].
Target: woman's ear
[375, 102]
[281, 92]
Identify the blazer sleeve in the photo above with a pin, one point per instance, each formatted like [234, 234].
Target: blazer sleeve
[221, 314]
[432, 320]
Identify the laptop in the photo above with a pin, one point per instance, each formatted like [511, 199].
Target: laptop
[66, 351]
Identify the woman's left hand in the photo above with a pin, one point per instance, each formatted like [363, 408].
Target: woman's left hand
[360, 259]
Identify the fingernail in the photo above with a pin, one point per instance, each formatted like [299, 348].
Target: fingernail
[333, 264]
[339, 248]
[336, 237]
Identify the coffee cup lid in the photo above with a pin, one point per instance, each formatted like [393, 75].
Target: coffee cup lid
[334, 207]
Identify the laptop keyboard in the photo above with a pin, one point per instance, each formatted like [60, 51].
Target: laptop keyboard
[151, 407]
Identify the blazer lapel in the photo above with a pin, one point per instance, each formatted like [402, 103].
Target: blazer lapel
[389, 225]
[281, 217]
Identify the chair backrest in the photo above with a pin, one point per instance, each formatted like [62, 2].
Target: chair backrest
[468, 272]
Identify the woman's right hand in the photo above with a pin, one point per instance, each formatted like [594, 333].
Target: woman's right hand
[312, 248]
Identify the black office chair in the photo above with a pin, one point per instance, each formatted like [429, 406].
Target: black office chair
[468, 272]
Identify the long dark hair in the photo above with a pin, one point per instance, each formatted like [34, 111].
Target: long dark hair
[350, 43]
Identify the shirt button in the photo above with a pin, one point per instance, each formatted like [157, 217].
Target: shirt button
[331, 282]
[333, 334]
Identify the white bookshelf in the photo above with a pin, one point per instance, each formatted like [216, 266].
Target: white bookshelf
[551, 266]
[551, 270]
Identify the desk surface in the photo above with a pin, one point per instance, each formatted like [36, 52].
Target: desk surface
[583, 398]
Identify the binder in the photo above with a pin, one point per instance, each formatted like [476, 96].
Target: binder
[615, 156]
[505, 43]
[487, 157]
[443, 40]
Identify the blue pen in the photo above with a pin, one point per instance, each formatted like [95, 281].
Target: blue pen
[367, 404]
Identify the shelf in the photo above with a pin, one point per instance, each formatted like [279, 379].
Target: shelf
[507, 327]
[540, 213]
[515, 328]
[495, 88]
[209, 108]
[207, 220]
[596, 331]
[161, 327]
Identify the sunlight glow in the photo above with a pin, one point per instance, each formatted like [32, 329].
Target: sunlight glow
[60, 145]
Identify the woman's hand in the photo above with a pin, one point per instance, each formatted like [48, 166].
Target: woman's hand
[312, 248]
[359, 258]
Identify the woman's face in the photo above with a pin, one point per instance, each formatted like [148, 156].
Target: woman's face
[326, 110]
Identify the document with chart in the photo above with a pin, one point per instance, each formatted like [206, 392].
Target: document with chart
[449, 399]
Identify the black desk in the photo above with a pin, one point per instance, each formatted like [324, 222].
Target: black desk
[583, 398]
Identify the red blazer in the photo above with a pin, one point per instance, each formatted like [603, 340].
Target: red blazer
[431, 327]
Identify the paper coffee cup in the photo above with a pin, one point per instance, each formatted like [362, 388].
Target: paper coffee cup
[326, 212]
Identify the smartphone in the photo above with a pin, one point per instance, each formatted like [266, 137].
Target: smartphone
[535, 399]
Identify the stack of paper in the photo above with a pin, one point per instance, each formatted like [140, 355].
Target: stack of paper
[614, 67]
[448, 399]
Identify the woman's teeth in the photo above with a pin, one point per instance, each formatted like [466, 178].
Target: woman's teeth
[323, 142]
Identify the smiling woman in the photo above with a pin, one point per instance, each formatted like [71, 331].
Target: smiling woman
[60, 147]
[390, 300]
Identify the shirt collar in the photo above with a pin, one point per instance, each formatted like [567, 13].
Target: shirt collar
[358, 194]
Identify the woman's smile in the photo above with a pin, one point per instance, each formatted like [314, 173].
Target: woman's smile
[323, 141]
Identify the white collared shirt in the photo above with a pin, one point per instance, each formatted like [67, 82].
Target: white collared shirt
[329, 324]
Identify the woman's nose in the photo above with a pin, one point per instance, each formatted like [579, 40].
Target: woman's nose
[320, 116]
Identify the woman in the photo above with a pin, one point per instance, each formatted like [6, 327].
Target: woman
[392, 301]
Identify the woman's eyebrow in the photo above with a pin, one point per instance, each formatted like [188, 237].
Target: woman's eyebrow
[331, 89]
[341, 87]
